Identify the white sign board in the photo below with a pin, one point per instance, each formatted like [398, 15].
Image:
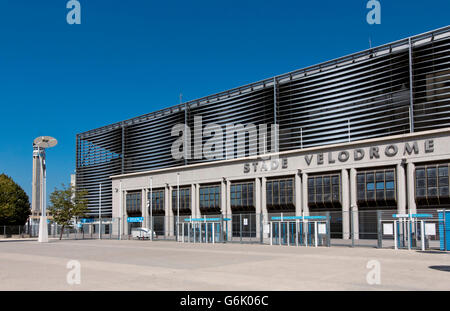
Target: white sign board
[388, 229]
[430, 229]
[266, 229]
[245, 221]
[401, 215]
[322, 228]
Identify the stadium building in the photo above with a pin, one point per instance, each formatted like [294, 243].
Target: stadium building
[363, 133]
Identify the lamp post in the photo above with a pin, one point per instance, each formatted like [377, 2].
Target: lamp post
[178, 203]
[151, 208]
[100, 212]
[41, 143]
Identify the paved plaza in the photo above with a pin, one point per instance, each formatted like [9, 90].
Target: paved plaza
[167, 265]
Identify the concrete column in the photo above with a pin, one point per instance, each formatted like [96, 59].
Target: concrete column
[223, 203]
[345, 205]
[144, 208]
[410, 181]
[195, 213]
[257, 200]
[412, 209]
[171, 214]
[353, 203]
[223, 198]
[228, 212]
[298, 196]
[401, 193]
[401, 189]
[124, 215]
[264, 212]
[167, 200]
[197, 200]
[305, 208]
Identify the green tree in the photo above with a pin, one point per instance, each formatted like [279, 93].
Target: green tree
[66, 204]
[14, 202]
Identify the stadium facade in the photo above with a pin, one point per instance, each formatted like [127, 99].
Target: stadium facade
[368, 131]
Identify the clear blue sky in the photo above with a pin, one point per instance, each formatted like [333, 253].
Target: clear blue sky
[132, 57]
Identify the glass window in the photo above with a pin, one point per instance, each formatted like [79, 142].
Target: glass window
[244, 194]
[420, 173]
[431, 172]
[390, 185]
[390, 195]
[380, 185]
[282, 192]
[361, 187]
[420, 192]
[380, 176]
[432, 182]
[360, 178]
[326, 184]
[443, 181]
[432, 191]
[210, 197]
[290, 196]
[318, 182]
[420, 183]
[185, 197]
[361, 195]
[324, 191]
[443, 191]
[443, 170]
[133, 202]
[390, 175]
[336, 180]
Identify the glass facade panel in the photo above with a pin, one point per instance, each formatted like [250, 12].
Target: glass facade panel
[243, 193]
[376, 188]
[133, 202]
[431, 185]
[185, 199]
[157, 201]
[280, 193]
[324, 191]
[210, 199]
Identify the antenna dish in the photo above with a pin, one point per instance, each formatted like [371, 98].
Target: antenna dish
[45, 142]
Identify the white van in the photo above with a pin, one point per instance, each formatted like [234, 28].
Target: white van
[141, 233]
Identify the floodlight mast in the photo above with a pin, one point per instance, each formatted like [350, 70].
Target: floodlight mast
[42, 143]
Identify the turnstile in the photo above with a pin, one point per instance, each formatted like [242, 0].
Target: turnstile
[202, 230]
[410, 231]
[300, 231]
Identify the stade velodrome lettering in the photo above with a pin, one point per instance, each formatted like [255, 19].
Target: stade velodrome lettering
[359, 154]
